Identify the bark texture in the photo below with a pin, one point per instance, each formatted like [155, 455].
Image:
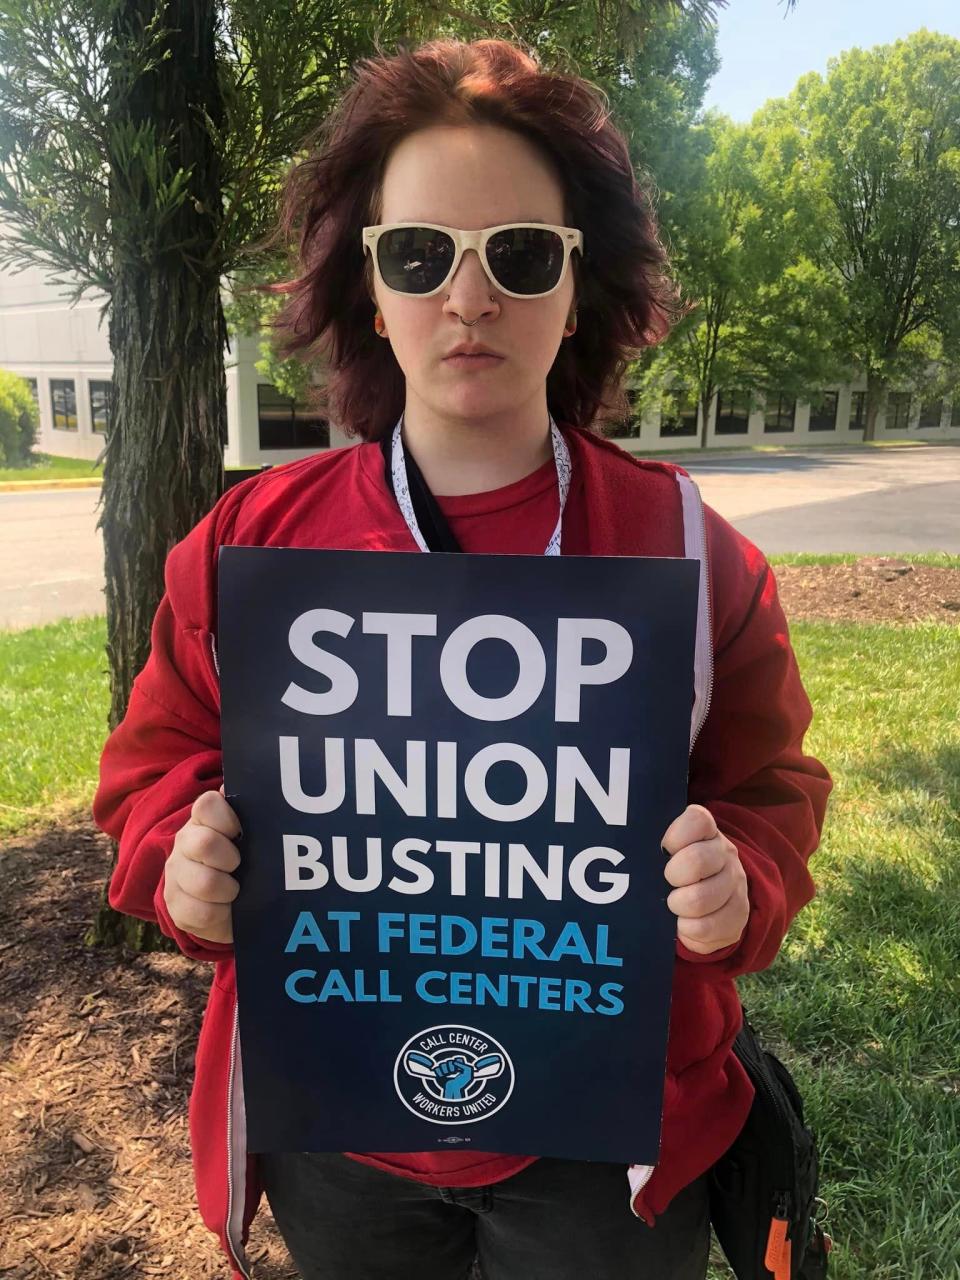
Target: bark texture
[163, 463]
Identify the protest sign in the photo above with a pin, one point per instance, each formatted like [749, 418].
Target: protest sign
[453, 773]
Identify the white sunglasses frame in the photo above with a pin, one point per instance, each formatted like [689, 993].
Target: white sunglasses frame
[571, 237]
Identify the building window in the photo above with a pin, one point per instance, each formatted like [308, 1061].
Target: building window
[824, 417]
[780, 413]
[733, 413]
[898, 411]
[63, 401]
[930, 413]
[100, 393]
[858, 410]
[678, 413]
[288, 424]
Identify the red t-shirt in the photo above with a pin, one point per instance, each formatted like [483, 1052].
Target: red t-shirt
[517, 519]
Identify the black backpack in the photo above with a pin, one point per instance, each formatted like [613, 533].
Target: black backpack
[763, 1190]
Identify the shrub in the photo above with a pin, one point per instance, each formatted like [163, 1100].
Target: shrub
[19, 420]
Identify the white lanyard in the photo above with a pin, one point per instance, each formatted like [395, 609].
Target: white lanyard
[561, 457]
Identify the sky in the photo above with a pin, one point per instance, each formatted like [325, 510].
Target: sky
[764, 53]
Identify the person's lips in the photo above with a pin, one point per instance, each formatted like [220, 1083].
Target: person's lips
[472, 355]
[470, 349]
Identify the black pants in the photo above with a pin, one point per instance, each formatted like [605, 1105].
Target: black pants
[554, 1220]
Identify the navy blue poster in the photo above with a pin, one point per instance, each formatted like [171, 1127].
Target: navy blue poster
[453, 773]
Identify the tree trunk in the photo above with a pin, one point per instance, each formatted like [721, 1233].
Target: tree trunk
[705, 402]
[163, 463]
[875, 391]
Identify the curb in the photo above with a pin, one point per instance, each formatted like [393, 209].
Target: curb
[632, 445]
[29, 486]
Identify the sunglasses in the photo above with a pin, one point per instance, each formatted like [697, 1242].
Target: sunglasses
[523, 259]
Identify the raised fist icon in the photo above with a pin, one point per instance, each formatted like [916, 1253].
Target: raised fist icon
[453, 1075]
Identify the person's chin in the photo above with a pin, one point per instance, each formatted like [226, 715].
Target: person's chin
[475, 400]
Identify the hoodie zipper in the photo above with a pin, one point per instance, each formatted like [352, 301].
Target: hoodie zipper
[706, 623]
[705, 646]
[634, 1193]
[234, 1239]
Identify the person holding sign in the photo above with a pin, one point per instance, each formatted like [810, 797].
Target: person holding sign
[478, 262]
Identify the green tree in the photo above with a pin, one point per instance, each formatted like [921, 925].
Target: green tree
[788, 337]
[882, 154]
[709, 216]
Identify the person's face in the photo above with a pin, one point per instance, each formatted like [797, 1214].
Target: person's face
[471, 177]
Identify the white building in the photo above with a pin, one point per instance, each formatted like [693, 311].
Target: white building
[65, 354]
[839, 419]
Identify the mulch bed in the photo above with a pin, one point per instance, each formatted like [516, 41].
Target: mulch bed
[871, 589]
[96, 1065]
[97, 1047]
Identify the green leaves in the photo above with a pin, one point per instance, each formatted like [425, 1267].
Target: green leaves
[882, 133]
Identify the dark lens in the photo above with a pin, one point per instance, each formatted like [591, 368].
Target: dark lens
[526, 259]
[414, 259]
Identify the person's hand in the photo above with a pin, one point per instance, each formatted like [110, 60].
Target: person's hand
[710, 898]
[198, 887]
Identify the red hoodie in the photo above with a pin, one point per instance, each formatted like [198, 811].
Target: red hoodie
[747, 767]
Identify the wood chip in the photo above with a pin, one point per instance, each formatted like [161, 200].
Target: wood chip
[140, 1214]
[83, 1142]
[61, 1237]
[87, 1197]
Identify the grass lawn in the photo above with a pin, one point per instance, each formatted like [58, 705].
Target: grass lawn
[942, 559]
[54, 697]
[48, 467]
[861, 1002]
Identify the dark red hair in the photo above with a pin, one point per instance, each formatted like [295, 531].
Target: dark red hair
[625, 298]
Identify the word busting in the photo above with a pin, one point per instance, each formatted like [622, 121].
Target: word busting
[464, 866]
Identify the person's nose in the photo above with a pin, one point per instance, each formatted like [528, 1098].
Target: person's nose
[470, 289]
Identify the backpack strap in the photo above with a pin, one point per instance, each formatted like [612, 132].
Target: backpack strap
[695, 547]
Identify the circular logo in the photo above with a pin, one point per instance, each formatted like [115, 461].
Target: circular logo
[453, 1075]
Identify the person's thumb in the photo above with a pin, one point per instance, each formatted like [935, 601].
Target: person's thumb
[222, 792]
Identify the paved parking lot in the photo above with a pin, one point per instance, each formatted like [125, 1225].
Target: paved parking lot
[875, 500]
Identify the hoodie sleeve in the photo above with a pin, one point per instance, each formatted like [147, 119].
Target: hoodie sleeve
[166, 750]
[748, 766]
